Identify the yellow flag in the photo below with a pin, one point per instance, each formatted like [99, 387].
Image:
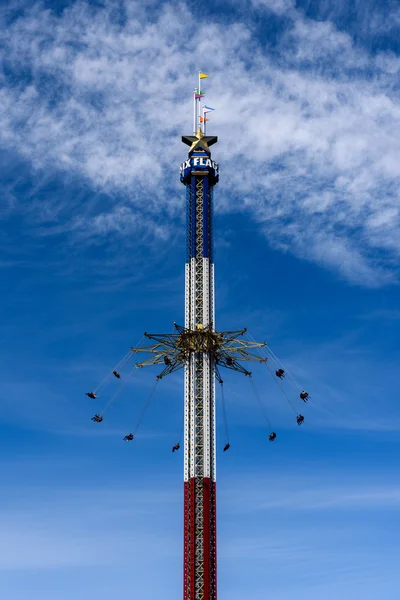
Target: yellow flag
[203, 76]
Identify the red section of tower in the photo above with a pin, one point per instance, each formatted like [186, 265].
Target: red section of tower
[200, 550]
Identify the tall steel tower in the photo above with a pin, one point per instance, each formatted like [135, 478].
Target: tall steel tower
[199, 174]
[201, 351]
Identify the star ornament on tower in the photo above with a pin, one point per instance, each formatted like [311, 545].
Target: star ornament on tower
[199, 141]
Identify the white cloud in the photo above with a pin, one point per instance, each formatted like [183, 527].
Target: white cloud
[276, 6]
[309, 137]
[308, 494]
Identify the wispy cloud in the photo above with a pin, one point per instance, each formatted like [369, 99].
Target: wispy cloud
[49, 529]
[313, 493]
[313, 127]
[276, 6]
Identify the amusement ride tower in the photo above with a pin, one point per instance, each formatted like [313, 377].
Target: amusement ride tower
[199, 174]
[201, 350]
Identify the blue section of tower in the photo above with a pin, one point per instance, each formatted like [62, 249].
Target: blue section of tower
[207, 209]
[199, 173]
[190, 248]
[191, 233]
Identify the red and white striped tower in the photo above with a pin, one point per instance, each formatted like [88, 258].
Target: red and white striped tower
[199, 174]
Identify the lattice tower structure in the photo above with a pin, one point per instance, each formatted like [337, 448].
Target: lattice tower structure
[201, 351]
[199, 173]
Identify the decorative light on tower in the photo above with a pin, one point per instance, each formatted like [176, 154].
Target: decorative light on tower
[201, 351]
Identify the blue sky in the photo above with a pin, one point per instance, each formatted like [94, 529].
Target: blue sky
[93, 101]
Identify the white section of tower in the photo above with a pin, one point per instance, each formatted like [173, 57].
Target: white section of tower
[199, 443]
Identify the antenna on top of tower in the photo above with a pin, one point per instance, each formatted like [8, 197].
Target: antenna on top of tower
[198, 94]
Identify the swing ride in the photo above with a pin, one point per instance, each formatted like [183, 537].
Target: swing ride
[173, 351]
[202, 352]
